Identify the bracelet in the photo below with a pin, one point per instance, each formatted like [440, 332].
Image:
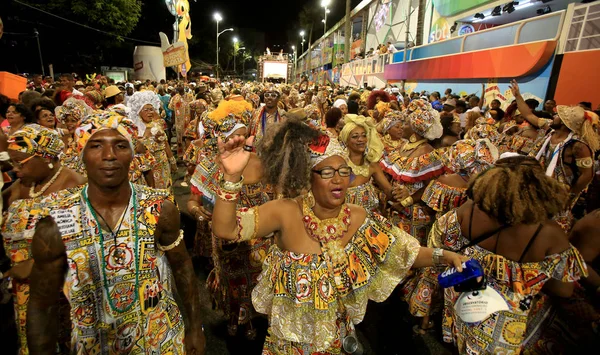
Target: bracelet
[228, 196]
[407, 201]
[4, 156]
[437, 255]
[194, 209]
[231, 187]
[173, 245]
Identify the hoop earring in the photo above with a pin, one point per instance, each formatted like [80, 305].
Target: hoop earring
[310, 199]
[413, 138]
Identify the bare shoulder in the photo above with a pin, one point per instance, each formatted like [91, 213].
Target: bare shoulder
[74, 178]
[47, 245]
[581, 150]
[358, 213]
[555, 239]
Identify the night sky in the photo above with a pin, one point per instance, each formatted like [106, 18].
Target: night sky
[73, 48]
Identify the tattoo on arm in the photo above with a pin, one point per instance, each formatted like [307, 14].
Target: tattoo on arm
[181, 266]
[47, 278]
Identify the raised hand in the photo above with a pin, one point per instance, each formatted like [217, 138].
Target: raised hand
[514, 88]
[233, 157]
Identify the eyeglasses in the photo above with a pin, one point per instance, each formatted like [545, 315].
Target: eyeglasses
[271, 95]
[21, 163]
[328, 173]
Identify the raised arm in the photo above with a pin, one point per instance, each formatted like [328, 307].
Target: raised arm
[585, 164]
[265, 219]
[522, 106]
[46, 281]
[482, 95]
[167, 234]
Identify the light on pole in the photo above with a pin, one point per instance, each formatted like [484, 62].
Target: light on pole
[235, 41]
[37, 37]
[218, 18]
[302, 35]
[295, 60]
[324, 4]
[243, 61]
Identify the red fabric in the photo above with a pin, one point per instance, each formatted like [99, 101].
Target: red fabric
[195, 191]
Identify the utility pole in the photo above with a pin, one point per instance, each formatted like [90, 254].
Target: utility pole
[37, 37]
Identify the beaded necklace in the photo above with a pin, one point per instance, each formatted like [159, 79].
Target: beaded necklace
[362, 170]
[101, 237]
[328, 232]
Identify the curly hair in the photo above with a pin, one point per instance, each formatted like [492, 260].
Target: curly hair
[372, 100]
[285, 156]
[517, 191]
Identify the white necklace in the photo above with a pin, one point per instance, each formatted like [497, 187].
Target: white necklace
[33, 194]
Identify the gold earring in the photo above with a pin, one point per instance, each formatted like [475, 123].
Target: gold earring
[413, 138]
[310, 199]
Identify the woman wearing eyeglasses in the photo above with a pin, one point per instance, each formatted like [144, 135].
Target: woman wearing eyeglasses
[329, 257]
[34, 152]
[144, 107]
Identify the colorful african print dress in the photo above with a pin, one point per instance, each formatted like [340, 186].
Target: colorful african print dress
[422, 292]
[237, 266]
[261, 120]
[514, 284]
[18, 230]
[364, 195]
[414, 174]
[121, 292]
[313, 306]
[157, 143]
[71, 158]
[141, 164]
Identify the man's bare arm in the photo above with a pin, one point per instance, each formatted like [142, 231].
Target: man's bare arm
[183, 272]
[47, 278]
[585, 163]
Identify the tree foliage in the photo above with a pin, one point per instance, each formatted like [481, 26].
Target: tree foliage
[118, 16]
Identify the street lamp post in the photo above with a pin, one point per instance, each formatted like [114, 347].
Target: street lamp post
[324, 4]
[243, 62]
[295, 61]
[218, 18]
[37, 37]
[235, 41]
[302, 35]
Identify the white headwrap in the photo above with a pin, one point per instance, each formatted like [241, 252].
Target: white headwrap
[339, 102]
[136, 103]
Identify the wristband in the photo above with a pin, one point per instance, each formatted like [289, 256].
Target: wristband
[437, 255]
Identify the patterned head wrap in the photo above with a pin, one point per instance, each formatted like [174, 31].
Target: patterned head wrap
[34, 139]
[136, 103]
[311, 110]
[105, 120]
[472, 156]
[483, 130]
[254, 99]
[391, 119]
[325, 147]
[229, 116]
[74, 107]
[424, 120]
[375, 147]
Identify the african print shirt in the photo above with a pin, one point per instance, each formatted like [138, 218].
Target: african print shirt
[121, 292]
[261, 120]
[516, 283]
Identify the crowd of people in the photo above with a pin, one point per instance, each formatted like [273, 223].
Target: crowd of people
[309, 201]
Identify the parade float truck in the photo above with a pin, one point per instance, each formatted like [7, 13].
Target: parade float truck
[275, 68]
